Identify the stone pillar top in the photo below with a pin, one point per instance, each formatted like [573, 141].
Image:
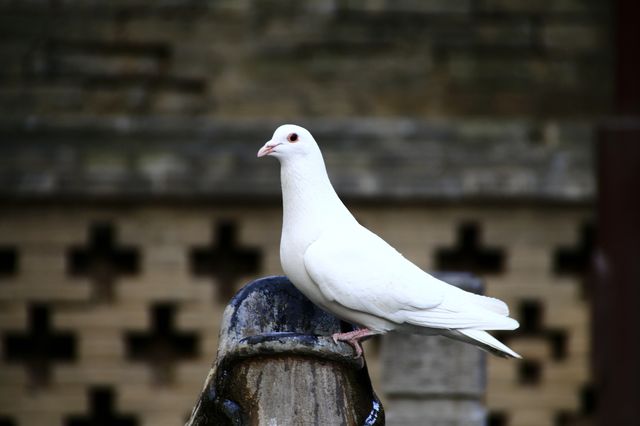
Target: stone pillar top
[277, 362]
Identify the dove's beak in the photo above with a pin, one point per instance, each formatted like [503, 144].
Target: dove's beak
[267, 149]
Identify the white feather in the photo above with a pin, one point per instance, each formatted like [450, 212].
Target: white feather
[353, 273]
[487, 342]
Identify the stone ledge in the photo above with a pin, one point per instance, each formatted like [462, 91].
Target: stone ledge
[368, 159]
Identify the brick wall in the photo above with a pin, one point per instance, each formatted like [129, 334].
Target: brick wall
[99, 283]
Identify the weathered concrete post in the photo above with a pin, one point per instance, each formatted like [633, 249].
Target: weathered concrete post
[277, 365]
[431, 380]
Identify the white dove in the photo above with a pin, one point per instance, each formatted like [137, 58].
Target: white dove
[351, 272]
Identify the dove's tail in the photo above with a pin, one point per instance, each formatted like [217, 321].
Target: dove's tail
[483, 340]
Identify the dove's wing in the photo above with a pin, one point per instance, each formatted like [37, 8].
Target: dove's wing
[358, 270]
[362, 272]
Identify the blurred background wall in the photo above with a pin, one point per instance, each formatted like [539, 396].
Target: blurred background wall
[133, 205]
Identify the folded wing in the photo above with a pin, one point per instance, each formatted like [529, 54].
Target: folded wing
[358, 270]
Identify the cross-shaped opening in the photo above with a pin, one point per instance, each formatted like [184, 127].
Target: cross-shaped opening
[7, 421]
[163, 346]
[40, 347]
[558, 340]
[565, 418]
[531, 316]
[497, 418]
[8, 261]
[529, 372]
[532, 324]
[224, 260]
[103, 261]
[469, 255]
[586, 411]
[102, 412]
[575, 260]
[588, 400]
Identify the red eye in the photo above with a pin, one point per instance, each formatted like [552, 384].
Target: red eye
[293, 137]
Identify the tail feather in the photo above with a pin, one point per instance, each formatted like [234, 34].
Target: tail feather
[490, 303]
[456, 316]
[485, 341]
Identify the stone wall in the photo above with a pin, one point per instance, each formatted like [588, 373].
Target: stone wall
[287, 59]
[133, 205]
[368, 159]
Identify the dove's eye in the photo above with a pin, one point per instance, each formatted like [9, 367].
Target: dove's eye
[293, 137]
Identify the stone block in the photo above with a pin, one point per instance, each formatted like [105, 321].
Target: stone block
[434, 380]
[543, 7]
[572, 38]
[429, 6]
[436, 413]
[431, 367]
[272, 335]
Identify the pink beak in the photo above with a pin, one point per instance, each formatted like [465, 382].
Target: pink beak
[267, 149]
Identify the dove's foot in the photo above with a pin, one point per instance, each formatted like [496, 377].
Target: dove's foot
[353, 338]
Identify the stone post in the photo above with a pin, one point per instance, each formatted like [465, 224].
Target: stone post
[277, 365]
[432, 380]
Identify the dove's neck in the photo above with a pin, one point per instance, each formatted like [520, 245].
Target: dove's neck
[310, 204]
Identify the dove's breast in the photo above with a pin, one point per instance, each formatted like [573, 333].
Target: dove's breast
[292, 260]
[311, 208]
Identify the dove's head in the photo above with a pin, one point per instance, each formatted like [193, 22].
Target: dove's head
[288, 142]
